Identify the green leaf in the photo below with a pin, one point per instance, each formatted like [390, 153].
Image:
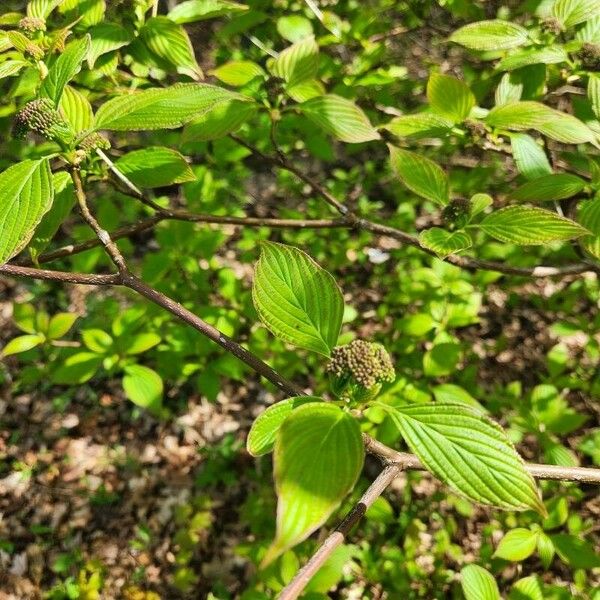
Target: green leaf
[76, 109]
[64, 199]
[27, 193]
[318, 457]
[238, 72]
[469, 452]
[11, 67]
[306, 90]
[25, 318]
[60, 324]
[223, 119]
[420, 175]
[573, 12]
[340, 117]
[296, 299]
[160, 108]
[97, 340]
[551, 55]
[556, 186]
[528, 588]
[106, 37]
[545, 549]
[294, 27]
[144, 387]
[526, 225]
[575, 551]
[77, 368]
[450, 97]
[297, 63]
[170, 42]
[420, 125]
[142, 342]
[261, 437]
[200, 10]
[22, 343]
[66, 66]
[517, 544]
[155, 167]
[479, 202]
[41, 8]
[555, 124]
[510, 89]
[84, 12]
[490, 35]
[593, 92]
[529, 156]
[589, 217]
[478, 584]
[444, 242]
[441, 359]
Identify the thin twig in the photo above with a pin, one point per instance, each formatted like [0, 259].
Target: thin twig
[336, 538]
[409, 462]
[111, 248]
[59, 276]
[180, 215]
[464, 262]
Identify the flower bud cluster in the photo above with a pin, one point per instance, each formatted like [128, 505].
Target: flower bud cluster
[590, 56]
[42, 117]
[367, 363]
[94, 141]
[457, 212]
[31, 25]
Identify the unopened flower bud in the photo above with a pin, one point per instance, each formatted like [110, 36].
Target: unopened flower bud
[94, 141]
[589, 54]
[42, 117]
[552, 25]
[457, 212]
[358, 369]
[34, 51]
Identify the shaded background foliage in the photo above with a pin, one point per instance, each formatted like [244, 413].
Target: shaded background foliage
[102, 498]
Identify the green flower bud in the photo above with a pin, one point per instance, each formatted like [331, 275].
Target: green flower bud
[94, 141]
[358, 369]
[34, 51]
[31, 25]
[457, 212]
[42, 117]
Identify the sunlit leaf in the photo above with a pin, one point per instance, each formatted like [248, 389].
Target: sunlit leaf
[296, 299]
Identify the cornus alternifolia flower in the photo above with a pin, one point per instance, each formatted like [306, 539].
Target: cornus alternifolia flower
[358, 369]
[31, 25]
[41, 117]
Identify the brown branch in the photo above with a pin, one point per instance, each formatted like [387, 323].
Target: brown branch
[409, 462]
[464, 262]
[59, 276]
[336, 538]
[111, 248]
[182, 215]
